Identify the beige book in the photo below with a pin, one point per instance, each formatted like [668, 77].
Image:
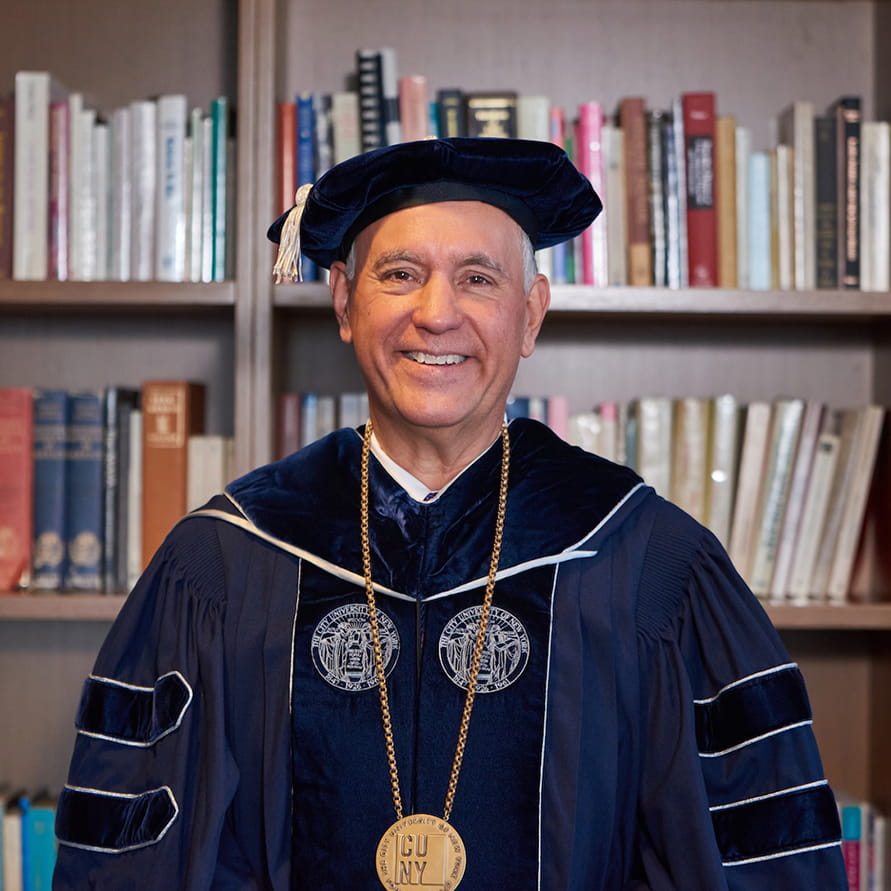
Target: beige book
[725, 196]
[689, 456]
[722, 465]
[654, 441]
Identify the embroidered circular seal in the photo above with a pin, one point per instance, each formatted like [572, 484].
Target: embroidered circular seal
[342, 651]
[505, 649]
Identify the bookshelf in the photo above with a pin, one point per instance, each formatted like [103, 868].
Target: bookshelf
[250, 340]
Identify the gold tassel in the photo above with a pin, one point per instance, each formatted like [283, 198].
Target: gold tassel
[288, 263]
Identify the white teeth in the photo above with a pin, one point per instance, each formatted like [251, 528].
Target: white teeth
[430, 359]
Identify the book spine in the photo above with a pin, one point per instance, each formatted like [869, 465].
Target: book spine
[826, 202]
[759, 261]
[7, 179]
[286, 154]
[632, 120]
[390, 95]
[207, 238]
[848, 124]
[84, 492]
[16, 486]
[59, 189]
[170, 216]
[657, 184]
[143, 116]
[219, 114]
[306, 158]
[83, 204]
[875, 196]
[743, 151]
[721, 477]
[171, 411]
[370, 90]
[321, 103]
[413, 107]
[101, 187]
[614, 207]
[48, 551]
[726, 212]
[492, 114]
[31, 200]
[195, 220]
[699, 141]
[120, 220]
[589, 150]
[450, 112]
[345, 137]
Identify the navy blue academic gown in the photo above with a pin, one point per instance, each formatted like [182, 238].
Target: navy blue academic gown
[639, 724]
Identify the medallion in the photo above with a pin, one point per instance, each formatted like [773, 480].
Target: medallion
[420, 851]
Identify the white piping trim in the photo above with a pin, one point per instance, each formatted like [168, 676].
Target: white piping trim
[780, 792]
[151, 742]
[755, 739]
[131, 796]
[758, 674]
[294, 641]
[820, 847]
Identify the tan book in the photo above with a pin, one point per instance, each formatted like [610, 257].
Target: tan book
[796, 129]
[632, 120]
[756, 429]
[725, 197]
[172, 410]
[723, 460]
[689, 455]
[653, 420]
[785, 427]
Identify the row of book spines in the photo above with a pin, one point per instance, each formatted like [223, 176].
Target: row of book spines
[866, 844]
[146, 193]
[92, 481]
[27, 841]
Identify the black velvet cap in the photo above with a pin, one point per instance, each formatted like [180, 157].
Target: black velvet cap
[535, 183]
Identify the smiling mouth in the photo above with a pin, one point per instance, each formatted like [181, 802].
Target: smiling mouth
[431, 359]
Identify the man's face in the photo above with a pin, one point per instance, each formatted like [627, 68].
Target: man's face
[439, 317]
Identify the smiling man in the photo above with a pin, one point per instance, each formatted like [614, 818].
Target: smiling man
[441, 649]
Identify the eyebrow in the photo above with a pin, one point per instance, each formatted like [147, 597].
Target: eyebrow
[404, 256]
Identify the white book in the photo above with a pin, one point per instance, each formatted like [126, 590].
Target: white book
[875, 197]
[811, 424]
[677, 116]
[722, 467]
[34, 90]
[654, 415]
[143, 122]
[170, 210]
[796, 128]
[101, 198]
[83, 206]
[134, 500]
[120, 214]
[77, 146]
[786, 418]
[813, 517]
[196, 201]
[855, 496]
[207, 235]
[756, 428]
[209, 462]
[782, 216]
[743, 150]
[12, 848]
[533, 117]
[345, 125]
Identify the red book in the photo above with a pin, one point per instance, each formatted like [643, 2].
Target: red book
[589, 158]
[286, 156]
[16, 486]
[632, 120]
[7, 156]
[702, 222]
[172, 410]
[413, 111]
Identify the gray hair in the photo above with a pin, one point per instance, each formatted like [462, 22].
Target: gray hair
[530, 267]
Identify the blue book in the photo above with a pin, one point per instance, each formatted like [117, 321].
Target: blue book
[220, 198]
[84, 492]
[760, 267]
[517, 407]
[306, 159]
[38, 844]
[50, 411]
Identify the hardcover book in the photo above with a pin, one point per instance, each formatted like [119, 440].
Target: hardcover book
[170, 214]
[84, 492]
[722, 467]
[59, 189]
[48, 549]
[632, 120]
[371, 98]
[848, 117]
[690, 455]
[796, 129]
[221, 117]
[7, 179]
[491, 114]
[413, 110]
[16, 486]
[286, 154]
[826, 232]
[120, 222]
[172, 410]
[702, 235]
[589, 159]
[450, 112]
[143, 123]
[726, 214]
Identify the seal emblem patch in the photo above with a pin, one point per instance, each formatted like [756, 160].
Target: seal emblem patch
[505, 649]
[342, 651]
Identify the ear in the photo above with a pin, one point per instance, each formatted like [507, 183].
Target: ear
[339, 286]
[537, 302]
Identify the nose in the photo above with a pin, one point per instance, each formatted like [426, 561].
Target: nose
[437, 308]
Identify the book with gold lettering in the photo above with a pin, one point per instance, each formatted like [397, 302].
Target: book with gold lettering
[491, 114]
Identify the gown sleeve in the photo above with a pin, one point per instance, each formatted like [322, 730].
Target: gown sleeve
[733, 791]
[152, 773]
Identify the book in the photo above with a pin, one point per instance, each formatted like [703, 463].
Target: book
[413, 112]
[451, 121]
[346, 141]
[813, 512]
[589, 160]
[389, 64]
[490, 114]
[208, 467]
[38, 817]
[16, 486]
[34, 91]
[753, 454]
[689, 455]
[12, 844]
[782, 219]
[725, 200]
[306, 159]
[84, 491]
[170, 212]
[826, 231]
[796, 129]
[672, 201]
[286, 154]
[632, 120]
[83, 197]
[172, 410]
[143, 179]
[760, 267]
[875, 206]
[118, 405]
[7, 178]
[680, 152]
[197, 176]
[848, 117]
[221, 130]
[785, 427]
[614, 202]
[59, 189]
[863, 460]
[723, 457]
[811, 423]
[120, 222]
[287, 424]
[699, 141]
[134, 501]
[658, 237]
[101, 187]
[207, 233]
[743, 152]
[653, 420]
[369, 79]
[50, 536]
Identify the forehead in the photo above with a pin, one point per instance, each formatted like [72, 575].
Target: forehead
[453, 227]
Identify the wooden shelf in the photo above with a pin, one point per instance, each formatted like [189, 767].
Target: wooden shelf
[718, 302]
[853, 617]
[60, 607]
[37, 295]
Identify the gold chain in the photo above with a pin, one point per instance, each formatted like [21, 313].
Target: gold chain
[480, 634]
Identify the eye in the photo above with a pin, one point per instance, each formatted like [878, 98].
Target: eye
[397, 275]
[477, 279]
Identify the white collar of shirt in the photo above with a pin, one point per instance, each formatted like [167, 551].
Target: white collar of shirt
[416, 490]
